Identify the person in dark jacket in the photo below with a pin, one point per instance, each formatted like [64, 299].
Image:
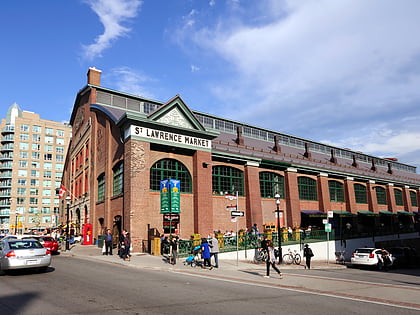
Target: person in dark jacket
[308, 254]
[108, 242]
[205, 252]
[173, 243]
[125, 245]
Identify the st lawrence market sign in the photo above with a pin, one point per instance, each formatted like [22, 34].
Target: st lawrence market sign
[154, 135]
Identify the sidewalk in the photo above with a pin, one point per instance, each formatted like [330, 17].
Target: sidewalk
[143, 260]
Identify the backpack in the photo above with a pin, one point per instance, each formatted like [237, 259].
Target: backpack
[309, 252]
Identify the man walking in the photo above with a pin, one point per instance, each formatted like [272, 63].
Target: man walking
[214, 250]
[308, 254]
[108, 242]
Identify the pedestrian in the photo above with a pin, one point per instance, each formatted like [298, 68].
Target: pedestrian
[165, 246]
[108, 242]
[173, 243]
[125, 245]
[308, 254]
[384, 260]
[271, 260]
[205, 253]
[214, 250]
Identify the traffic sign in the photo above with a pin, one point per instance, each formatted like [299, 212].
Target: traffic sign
[237, 213]
[231, 208]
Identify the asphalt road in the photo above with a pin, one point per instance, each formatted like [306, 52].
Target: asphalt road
[78, 286]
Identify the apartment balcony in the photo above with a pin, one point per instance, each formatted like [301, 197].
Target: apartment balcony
[8, 129]
[6, 175]
[5, 203]
[5, 213]
[8, 138]
[6, 157]
[5, 184]
[6, 166]
[7, 147]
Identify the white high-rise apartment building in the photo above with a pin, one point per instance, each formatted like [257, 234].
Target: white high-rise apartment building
[32, 157]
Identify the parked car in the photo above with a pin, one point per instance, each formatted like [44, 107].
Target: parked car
[46, 241]
[23, 254]
[367, 256]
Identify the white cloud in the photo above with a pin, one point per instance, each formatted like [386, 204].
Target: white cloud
[325, 69]
[194, 68]
[130, 81]
[111, 13]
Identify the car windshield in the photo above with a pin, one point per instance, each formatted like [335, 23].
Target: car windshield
[363, 250]
[25, 244]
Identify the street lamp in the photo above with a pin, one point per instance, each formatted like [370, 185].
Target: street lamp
[277, 196]
[68, 198]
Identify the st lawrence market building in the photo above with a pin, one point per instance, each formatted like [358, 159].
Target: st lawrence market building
[131, 159]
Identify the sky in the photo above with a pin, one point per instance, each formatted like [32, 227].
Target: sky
[345, 73]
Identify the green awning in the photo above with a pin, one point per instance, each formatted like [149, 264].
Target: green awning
[344, 213]
[405, 213]
[386, 212]
[367, 213]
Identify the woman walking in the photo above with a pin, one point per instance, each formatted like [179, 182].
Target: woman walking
[271, 260]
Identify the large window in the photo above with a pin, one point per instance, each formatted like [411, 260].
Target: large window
[227, 179]
[271, 184]
[360, 193]
[413, 197]
[307, 188]
[101, 187]
[398, 197]
[380, 195]
[336, 191]
[118, 180]
[170, 169]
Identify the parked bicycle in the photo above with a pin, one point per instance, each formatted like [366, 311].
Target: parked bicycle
[292, 258]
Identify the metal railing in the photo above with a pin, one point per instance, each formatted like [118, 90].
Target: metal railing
[249, 241]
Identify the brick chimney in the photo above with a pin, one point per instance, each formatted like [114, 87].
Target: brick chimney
[94, 76]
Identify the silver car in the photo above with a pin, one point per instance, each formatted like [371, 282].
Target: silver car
[23, 254]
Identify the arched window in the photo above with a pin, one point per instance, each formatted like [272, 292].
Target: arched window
[271, 184]
[118, 179]
[413, 197]
[307, 188]
[398, 197]
[360, 193]
[380, 195]
[170, 169]
[101, 187]
[336, 191]
[227, 179]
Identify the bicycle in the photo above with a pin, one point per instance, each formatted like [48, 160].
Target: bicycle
[292, 257]
[261, 255]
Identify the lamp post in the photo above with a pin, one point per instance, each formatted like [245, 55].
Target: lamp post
[68, 198]
[277, 196]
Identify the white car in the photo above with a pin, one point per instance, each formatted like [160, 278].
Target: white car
[367, 256]
[23, 254]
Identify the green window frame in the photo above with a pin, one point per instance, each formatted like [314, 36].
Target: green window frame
[170, 169]
[101, 187]
[227, 179]
[118, 179]
[307, 188]
[413, 197]
[398, 197]
[380, 195]
[360, 193]
[336, 191]
[271, 184]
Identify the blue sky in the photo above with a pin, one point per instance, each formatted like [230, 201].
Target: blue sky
[346, 72]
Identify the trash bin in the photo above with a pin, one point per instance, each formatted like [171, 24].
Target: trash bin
[101, 240]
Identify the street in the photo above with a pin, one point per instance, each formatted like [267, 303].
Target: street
[84, 286]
